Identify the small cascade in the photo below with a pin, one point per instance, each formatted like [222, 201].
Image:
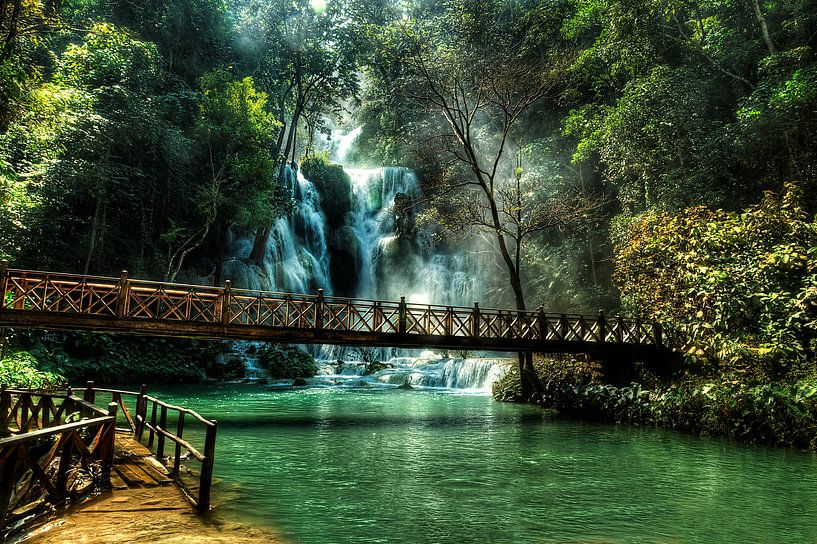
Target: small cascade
[448, 373]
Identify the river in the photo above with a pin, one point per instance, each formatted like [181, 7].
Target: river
[337, 464]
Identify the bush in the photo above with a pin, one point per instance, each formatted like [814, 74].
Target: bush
[20, 369]
[286, 362]
[781, 414]
[742, 287]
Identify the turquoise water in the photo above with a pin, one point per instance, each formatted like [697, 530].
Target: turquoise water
[337, 465]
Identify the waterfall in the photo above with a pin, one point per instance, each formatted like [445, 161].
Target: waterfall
[297, 260]
[375, 250]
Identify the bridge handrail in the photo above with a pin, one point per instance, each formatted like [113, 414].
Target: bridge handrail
[28, 473]
[133, 300]
[157, 427]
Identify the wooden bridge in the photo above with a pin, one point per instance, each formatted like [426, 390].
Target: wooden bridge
[47, 300]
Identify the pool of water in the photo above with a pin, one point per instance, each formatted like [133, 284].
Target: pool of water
[336, 465]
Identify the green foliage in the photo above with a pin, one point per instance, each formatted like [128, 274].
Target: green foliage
[739, 285]
[20, 369]
[237, 132]
[115, 360]
[286, 362]
[781, 414]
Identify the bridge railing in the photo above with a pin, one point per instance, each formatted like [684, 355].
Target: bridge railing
[152, 423]
[125, 298]
[46, 437]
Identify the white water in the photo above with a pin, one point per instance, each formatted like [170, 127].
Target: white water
[389, 260]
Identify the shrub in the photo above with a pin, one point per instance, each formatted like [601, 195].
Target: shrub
[741, 286]
[20, 369]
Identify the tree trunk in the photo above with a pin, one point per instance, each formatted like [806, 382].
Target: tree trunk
[259, 247]
[764, 28]
[262, 235]
[218, 280]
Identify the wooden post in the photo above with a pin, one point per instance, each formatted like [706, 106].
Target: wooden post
[110, 444]
[90, 394]
[619, 329]
[449, 321]
[475, 321]
[563, 328]
[177, 460]
[377, 317]
[225, 303]
[4, 266]
[122, 297]
[153, 425]
[658, 332]
[602, 326]
[141, 412]
[542, 322]
[5, 408]
[401, 317]
[160, 445]
[206, 478]
[319, 311]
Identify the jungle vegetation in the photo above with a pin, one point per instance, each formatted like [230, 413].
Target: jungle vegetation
[650, 157]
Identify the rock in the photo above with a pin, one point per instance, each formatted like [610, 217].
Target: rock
[406, 386]
[376, 366]
[299, 382]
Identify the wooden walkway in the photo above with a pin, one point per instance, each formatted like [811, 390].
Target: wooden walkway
[55, 447]
[47, 300]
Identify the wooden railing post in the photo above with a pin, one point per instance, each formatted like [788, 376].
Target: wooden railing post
[475, 320]
[110, 443]
[449, 321]
[319, 311]
[177, 459]
[122, 297]
[89, 395]
[225, 303]
[563, 328]
[5, 409]
[377, 317]
[619, 334]
[542, 322]
[152, 425]
[4, 266]
[602, 326]
[401, 316]
[206, 478]
[160, 445]
[141, 412]
[658, 332]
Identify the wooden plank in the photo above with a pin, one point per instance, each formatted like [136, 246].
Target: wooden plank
[154, 473]
[117, 482]
[125, 442]
[137, 471]
[130, 477]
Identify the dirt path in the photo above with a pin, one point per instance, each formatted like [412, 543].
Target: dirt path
[144, 515]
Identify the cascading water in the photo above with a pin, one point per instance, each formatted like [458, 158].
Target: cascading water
[372, 249]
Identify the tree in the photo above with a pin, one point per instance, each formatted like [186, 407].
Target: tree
[477, 102]
[236, 133]
[306, 69]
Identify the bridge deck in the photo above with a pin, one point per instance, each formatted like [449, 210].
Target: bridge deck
[47, 300]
